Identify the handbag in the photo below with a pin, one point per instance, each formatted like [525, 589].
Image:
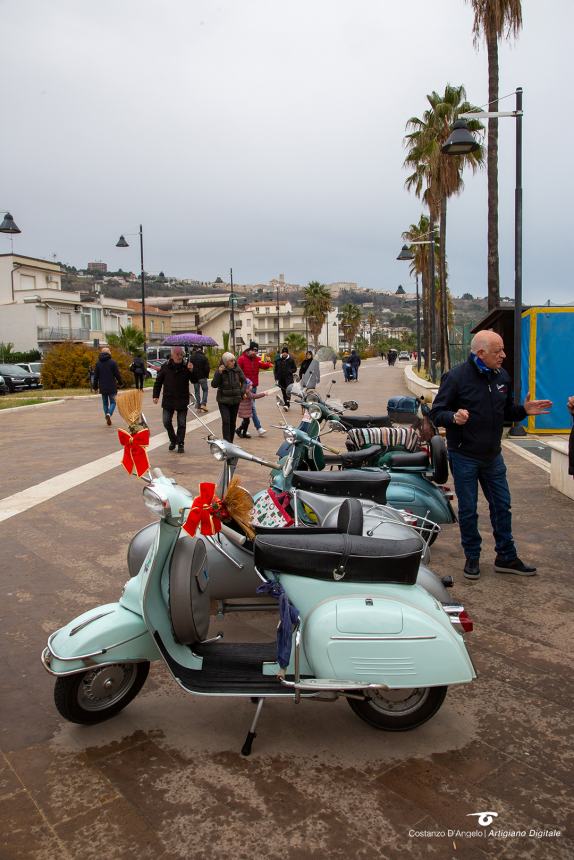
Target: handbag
[269, 510]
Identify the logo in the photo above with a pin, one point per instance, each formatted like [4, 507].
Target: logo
[501, 387]
[484, 818]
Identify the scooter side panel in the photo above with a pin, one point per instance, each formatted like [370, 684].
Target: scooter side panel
[415, 493]
[105, 634]
[420, 652]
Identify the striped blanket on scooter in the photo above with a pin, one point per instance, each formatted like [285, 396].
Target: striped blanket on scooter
[404, 438]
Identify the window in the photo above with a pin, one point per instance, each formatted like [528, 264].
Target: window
[85, 320]
[162, 324]
[151, 326]
[96, 319]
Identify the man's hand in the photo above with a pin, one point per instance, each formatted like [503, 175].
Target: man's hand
[190, 365]
[537, 407]
[461, 416]
[156, 400]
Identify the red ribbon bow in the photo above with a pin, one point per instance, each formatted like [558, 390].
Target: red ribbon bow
[206, 512]
[135, 454]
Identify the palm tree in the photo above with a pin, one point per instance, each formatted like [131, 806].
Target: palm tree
[296, 341]
[350, 321]
[494, 19]
[437, 177]
[317, 305]
[130, 338]
[420, 265]
[371, 322]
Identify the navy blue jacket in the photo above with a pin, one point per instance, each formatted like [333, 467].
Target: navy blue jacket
[488, 399]
[106, 375]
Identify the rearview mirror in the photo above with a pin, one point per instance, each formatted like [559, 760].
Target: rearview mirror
[352, 405]
[336, 426]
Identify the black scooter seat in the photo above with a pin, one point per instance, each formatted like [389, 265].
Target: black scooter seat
[348, 459]
[416, 459]
[352, 421]
[355, 483]
[347, 558]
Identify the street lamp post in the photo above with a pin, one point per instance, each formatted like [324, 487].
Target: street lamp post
[121, 243]
[232, 301]
[10, 227]
[461, 142]
[407, 254]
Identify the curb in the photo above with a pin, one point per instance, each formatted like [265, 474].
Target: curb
[31, 406]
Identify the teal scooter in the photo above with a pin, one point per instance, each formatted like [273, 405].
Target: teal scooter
[353, 625]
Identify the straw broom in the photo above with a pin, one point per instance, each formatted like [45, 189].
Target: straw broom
[129, 403]
[239, 505]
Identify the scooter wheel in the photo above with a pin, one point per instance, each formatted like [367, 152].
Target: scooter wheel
[399, 710]
[439, 460]
[100, 693]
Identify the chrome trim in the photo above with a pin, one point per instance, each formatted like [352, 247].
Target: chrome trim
[89, 621]
[217, 546]
[328, 684]
[379, 638]
[213, 639]
[94, 653]
[46, 664]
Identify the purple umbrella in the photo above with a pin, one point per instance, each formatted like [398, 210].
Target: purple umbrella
[189, 338]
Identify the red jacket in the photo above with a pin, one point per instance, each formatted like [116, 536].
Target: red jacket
[251, 366]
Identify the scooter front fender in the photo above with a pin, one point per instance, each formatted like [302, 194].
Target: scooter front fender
[103, 635]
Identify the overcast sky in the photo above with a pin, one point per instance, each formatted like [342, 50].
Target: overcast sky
[268, 136]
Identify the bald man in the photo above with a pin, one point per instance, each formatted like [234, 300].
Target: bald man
[473, 402]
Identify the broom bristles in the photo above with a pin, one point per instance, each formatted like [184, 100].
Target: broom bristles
[239, 505]
[130, 404]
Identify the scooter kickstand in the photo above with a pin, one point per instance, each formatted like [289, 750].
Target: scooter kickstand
[251, 734]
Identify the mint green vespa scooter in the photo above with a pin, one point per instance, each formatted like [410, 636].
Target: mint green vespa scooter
[353, 625]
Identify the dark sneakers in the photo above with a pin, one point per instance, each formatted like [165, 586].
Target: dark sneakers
[180, 449]
[108, 419]
[472, 568]
[172, 446]
[515, 566]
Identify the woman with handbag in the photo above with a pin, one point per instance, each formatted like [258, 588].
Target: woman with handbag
[230, 382]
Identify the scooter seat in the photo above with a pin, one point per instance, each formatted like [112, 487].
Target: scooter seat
[349, 521]
[348, 459]
[416, 459]
[351, 421]
[355, 483]
[346, 558]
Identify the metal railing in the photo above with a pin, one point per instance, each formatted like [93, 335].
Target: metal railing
[45, 333]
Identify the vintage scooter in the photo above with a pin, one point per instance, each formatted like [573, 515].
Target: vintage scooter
[353, 625]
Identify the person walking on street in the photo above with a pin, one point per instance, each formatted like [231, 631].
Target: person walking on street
[245, 410]
[473, 402]
[355, 362]
[334, 361]
[138, 368]
[250, 363]
[309, 372]
[284, 372]
[174, 377]
[230, 382]
[106, 380]
[199, 377]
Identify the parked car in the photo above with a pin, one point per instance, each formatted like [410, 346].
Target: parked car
[3, 387]
[404, 355]
[16, 377]
[151, 371]
[34, 368]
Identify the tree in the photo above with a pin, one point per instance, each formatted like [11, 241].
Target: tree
[494, 19]
[350, 321]
[437, 177]
[371, 322]
[130, 339]
[468, 297]
[420, 265]
[317, 304]
[296, 342]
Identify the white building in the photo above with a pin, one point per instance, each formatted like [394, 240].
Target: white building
[36, 313]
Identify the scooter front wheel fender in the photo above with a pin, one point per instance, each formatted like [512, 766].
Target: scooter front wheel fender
[104, 635]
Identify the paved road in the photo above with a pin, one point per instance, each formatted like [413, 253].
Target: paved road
[165, 778]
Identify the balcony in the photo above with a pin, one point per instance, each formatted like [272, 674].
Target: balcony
[56, 335]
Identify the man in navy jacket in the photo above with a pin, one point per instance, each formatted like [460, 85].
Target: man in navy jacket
[473, 402]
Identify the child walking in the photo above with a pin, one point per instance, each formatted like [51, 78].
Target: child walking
[246, 409]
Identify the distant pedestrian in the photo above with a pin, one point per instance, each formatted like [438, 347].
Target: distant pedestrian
[309, 372]
[473, 402]
[355, 362]
[284, 372]
[138, 368]
[174, 377]
[106, 380]
[245, 410]
[200, 377]
[251, 363]
[382, 356]
[334, 361]
[230, 382]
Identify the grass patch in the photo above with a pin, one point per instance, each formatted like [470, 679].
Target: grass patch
[13, 402]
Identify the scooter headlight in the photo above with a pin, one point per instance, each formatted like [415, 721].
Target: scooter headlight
[217, 451]
[290, 436]
[156, 502]
[315, 411]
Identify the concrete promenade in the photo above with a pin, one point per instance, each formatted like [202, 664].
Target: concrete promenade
[165, 779]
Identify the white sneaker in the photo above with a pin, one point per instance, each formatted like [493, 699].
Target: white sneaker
[261, 431]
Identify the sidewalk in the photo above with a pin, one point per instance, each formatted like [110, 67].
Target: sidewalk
[165, 779]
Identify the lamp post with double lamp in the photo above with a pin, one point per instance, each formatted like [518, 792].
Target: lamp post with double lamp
[232, 306]
[407, 254]
[121, 243]
[461, 142]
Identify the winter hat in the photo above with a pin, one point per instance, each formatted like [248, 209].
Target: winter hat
[284, 351]
[253, 345]
[227, 356]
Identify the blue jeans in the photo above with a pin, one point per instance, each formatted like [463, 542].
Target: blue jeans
[109, 403]
[254, 415]
[491, 476]
[202, 384]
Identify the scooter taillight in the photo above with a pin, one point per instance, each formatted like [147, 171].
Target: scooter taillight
[465, 621]
[459, 617]
[448, 493]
